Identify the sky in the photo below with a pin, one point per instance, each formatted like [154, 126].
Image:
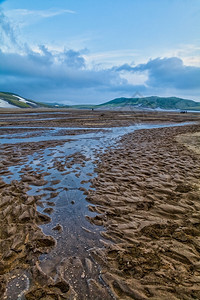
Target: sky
[92, 51]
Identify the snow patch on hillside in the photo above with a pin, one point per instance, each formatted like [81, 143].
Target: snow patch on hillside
[5, 104]
[20, 98]
[24, 100]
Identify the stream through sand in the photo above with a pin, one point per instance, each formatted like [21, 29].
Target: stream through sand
[65, 169]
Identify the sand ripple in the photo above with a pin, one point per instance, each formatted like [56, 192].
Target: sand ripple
[147, 197]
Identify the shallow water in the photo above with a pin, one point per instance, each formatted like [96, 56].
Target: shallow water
[89, 145]
[106, 139]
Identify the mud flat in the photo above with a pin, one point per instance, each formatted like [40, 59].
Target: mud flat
[39, 257]
[88, 118]
[139, 237]
[147, 196]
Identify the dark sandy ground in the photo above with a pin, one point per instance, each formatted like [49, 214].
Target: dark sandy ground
[146, 196]
[88, 118]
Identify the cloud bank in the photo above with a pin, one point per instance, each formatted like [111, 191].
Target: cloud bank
[170, 72]
[37, 72]
[64, 76]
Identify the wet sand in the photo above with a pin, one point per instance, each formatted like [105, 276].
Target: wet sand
[144, 201]
[147, 195]
[21, 239]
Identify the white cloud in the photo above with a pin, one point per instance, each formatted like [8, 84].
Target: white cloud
[39, 13]
[111, 58]
[189, 53]
[24, 17]
[138, 78]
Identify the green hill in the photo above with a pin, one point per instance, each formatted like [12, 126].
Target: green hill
[153, 102]
[11, 100]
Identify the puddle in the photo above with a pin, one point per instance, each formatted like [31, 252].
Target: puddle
[18, 284]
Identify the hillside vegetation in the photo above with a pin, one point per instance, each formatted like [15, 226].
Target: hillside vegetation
[153, 102]
[18, 101]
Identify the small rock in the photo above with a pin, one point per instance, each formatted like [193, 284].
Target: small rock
[58, 227]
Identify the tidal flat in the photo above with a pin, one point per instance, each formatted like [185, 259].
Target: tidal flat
[99, 205]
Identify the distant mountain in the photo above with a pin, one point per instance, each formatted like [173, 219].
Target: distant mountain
[10, 100]
[153, 102]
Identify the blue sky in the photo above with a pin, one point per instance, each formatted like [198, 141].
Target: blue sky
[85, 51]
